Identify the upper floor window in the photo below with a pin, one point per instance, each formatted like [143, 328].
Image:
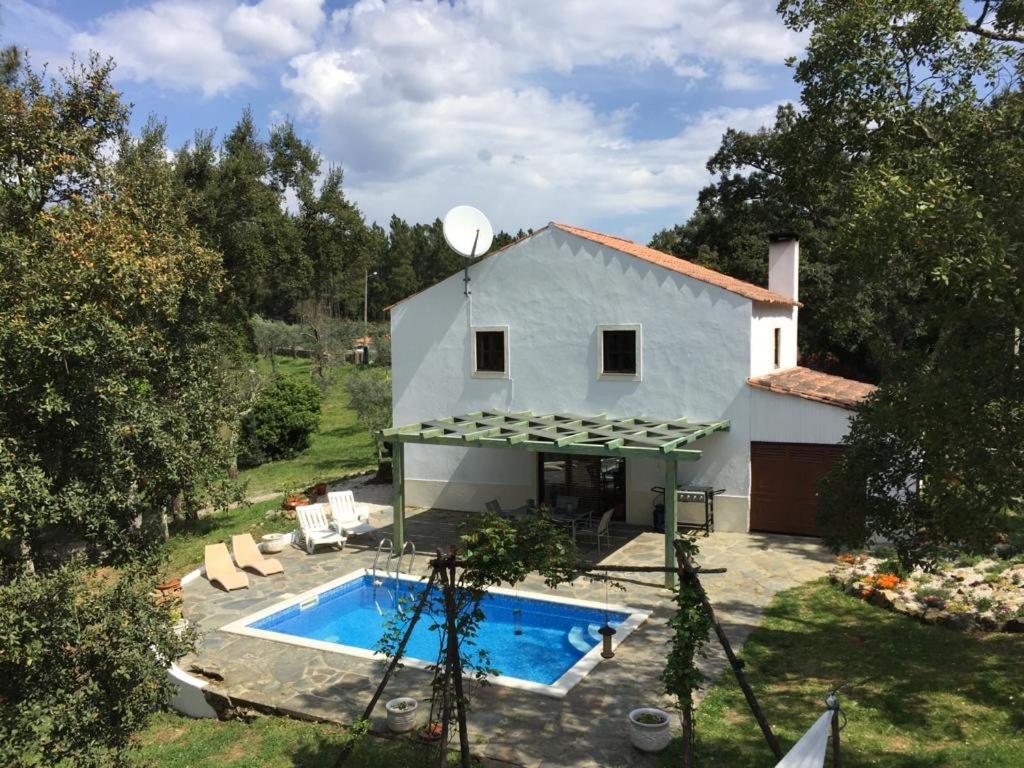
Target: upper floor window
[490, 352]
[619, 351]
[777, 359]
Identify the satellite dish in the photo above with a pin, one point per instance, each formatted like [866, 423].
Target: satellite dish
[468, 231]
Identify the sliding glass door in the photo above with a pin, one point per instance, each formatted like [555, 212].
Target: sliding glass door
[597, 483]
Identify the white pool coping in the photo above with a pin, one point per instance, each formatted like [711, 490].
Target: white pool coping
[556, 690]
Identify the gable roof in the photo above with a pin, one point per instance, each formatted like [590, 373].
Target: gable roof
[814, 385]
[682, 266]
[666, 260]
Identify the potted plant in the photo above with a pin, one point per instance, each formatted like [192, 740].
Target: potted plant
[649, 729]
[294, 499]
[401, 714]
[168, 592]
[320, 489]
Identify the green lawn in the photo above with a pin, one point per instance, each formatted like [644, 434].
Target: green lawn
[185, 548]
[932, 697]
[340, 447]
[268, 742]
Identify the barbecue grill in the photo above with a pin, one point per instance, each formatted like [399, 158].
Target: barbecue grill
[694, 494]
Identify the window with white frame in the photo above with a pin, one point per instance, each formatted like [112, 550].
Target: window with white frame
[619, 352]
[490, 352]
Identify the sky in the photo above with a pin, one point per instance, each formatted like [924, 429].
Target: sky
[598, 113]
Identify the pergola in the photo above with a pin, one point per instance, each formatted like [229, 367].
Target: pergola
[639, 437]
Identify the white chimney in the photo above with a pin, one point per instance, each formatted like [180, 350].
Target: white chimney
[784, 265]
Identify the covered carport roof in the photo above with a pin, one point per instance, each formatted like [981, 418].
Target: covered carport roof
[636, 437]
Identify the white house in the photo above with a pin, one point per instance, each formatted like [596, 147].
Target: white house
[569, 321]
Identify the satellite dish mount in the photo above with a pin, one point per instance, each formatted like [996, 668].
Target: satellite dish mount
[467, 232]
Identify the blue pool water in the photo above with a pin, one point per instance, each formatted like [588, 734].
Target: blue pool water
[555, 635]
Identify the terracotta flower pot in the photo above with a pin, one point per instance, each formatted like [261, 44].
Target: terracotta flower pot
[320, 489]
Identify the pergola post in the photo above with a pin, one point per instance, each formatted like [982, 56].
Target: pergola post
[398, 486]
[670, 522]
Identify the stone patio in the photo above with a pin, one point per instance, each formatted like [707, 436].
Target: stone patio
[586, 728]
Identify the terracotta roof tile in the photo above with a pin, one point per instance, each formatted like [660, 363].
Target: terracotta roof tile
[682, 266]
[814, 385]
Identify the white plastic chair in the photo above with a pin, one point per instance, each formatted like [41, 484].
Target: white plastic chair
[603, 528]
[314, 528]
[346, 518]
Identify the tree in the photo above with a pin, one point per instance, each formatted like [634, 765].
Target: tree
[115, 363]
[369, 390]
[924, 104]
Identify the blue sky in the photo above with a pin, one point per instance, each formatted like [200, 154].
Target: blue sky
[600, 113]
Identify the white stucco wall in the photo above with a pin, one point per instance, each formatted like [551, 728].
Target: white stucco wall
[764, 319]
[776, 418]
[552, 291]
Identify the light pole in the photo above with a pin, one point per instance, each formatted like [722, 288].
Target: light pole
[367, 274]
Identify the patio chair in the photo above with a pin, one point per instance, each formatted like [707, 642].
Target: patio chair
[220, 570]
[494, 507]
[346, 518]
[603, 528]
[314, 529]
[249, 558]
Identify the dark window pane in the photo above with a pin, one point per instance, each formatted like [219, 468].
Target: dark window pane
[619, 352]
[490, 351]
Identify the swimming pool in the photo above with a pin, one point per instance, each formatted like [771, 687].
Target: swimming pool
[557, 646]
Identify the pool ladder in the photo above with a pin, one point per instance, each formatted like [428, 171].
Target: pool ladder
[388, 546]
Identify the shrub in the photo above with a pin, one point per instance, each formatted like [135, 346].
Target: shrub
[966, 560]
[382, 349]
[79, 666]
[286, 413]
[982, 604]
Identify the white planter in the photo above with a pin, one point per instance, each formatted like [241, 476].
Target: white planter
[401, 714]
[272, 543]
[650, 737]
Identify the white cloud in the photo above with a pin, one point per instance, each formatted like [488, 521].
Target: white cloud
[276, 27]
[433, 104]
[210, 45]
[175, 44]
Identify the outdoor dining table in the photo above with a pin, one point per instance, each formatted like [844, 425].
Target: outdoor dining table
[564, 517]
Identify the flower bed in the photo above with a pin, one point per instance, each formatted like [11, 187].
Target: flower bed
[971, 594]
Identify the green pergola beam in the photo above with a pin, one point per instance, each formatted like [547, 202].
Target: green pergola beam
[562, 433]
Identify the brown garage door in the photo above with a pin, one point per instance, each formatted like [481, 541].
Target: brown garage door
[784, 485]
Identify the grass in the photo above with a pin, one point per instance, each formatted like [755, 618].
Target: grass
[924, 696]
[340, 446]
[172, 741]
[185, 548]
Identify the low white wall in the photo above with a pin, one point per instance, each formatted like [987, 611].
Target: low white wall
[188, 698]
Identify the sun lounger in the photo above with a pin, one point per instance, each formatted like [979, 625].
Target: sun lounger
[220, 570]
[314, 528]
[249, 557]
[346, 517]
